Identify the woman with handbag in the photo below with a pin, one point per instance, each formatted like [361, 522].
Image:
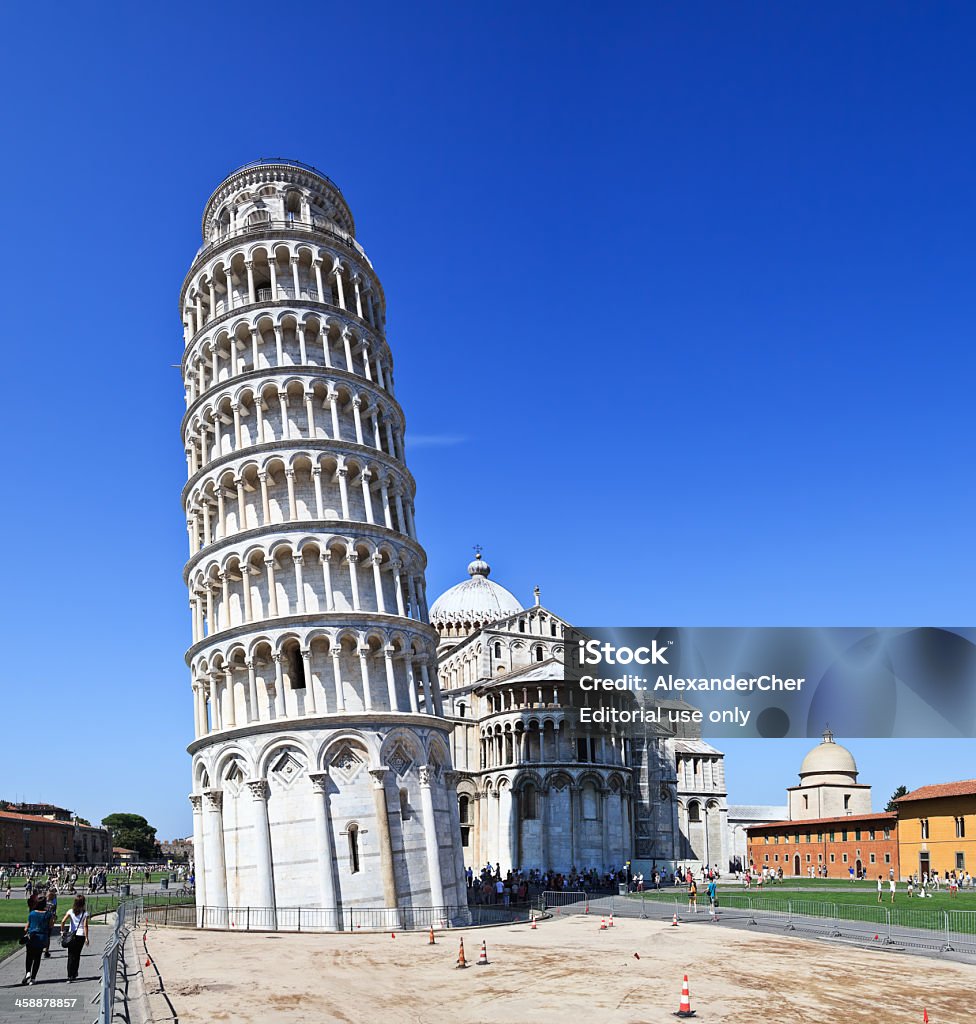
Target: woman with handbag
[36, 933]
[74, 935]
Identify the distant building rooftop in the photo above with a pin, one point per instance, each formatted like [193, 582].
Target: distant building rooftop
[965, 788]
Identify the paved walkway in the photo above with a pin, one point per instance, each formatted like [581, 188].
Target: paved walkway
[52, 985]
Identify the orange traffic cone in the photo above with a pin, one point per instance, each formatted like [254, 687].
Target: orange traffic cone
[603, 924]
[610, 925]
[483, 955]
[461, 962]
[684, 1009]
[534, 926]
[430, 941]
[674, 921]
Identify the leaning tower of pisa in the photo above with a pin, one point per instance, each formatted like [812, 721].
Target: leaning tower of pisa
[321, 763]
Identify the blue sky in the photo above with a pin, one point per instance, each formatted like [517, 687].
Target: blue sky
[680, 298]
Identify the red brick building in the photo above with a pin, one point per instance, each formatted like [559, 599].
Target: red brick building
[866, 842]
[36, 839]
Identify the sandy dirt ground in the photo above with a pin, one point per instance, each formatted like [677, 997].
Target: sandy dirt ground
[567, 971]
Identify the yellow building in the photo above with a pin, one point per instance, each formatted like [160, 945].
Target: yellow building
[937, 829]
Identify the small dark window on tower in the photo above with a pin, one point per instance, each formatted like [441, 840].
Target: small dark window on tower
[354, 849]
[464, 805]
[539, 653]
[498, 650]
[296, 669]
[404, 806]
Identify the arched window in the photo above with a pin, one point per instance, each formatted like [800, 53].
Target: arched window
[521, 625]
[404, 806]
[461, 710]
[498, 650]
[464, 808]
[554, 630]
[529, 803]
[694, 811]
[539, 653]
[590, 802]
[353, 836]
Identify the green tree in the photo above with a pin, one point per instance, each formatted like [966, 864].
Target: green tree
[900, 791]
[132, 832]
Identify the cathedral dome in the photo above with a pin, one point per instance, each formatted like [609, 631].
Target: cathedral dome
[828, 759]
[476, 599]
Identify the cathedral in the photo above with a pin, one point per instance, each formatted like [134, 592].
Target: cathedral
[536, 788]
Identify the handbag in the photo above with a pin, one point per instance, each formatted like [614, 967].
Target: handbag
[65, 937]
[23, 939]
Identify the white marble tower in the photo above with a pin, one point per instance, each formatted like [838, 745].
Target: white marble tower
[321, 762]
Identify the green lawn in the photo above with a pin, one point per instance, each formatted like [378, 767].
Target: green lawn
[6, 948]
[16, 910]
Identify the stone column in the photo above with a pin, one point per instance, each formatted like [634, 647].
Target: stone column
[383, 828]
[279, 687]
[199, 861]
[299, 585]
[388, 652]
[246, 589]
[451, 779]
[430, 839]
[310, 685]
[252, 691]
[264, 894]
[326, 846]
[213, 842]
[364, 673]
[337, 674]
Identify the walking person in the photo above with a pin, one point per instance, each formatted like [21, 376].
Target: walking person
[52, 907]
[76, 922]
[37, 930]
[893, 885]
[879, 888]
[693, 896]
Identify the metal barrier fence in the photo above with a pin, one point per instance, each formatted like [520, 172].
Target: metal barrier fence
[914, 927]
[126, 917]
[575, 899]
[318, 919]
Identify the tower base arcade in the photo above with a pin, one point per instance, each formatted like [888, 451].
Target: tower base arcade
[340, 814]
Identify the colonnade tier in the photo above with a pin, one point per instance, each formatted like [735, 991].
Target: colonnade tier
[552, 739]
[308, 408]
[279, 336]
[335, 490]
[279, 269]
[332, 577]
[312, 671]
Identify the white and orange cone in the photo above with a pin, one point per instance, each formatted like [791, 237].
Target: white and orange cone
[610, 925]
[674, 920]
[603, 924]
[483, 955]
[684, 1009]
[461, 962]
[533, 926]
[430, 941]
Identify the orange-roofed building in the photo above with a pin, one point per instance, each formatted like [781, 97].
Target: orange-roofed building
[937, 829]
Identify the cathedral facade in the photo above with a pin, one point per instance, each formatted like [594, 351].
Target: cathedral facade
[537, 788]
